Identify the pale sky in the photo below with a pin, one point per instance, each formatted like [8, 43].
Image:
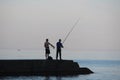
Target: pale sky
[25, 24]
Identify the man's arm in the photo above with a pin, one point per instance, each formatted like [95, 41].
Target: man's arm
[44, 45]
[52, 45]
[62, 45]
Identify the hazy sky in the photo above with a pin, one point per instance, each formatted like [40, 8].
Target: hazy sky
[25, 24]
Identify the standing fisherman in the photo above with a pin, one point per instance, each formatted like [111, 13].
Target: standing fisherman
[47, 49]
[59, 46]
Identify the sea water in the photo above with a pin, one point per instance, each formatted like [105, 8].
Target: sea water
[103, 70]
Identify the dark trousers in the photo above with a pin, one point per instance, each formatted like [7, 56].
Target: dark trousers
[58, 53]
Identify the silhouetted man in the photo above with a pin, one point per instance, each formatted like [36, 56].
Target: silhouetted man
[47, 49]
[59, 46]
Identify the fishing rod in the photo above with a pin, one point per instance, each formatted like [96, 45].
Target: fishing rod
[71, 30]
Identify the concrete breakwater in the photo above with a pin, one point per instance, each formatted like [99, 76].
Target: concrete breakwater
[41, 67]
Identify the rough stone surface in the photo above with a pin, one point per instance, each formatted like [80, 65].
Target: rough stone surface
[41, 67]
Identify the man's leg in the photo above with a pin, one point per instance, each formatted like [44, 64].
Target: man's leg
[56, 54]
[60, 55]
[46, 56]
[46, 53]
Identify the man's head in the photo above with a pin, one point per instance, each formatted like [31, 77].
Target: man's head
[47, 40]
[59, 40]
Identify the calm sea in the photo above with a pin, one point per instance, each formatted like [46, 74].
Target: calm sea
[104, 70]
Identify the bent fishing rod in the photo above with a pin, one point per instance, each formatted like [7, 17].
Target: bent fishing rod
[71, 30]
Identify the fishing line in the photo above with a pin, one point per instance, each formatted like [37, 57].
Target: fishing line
[71, 30]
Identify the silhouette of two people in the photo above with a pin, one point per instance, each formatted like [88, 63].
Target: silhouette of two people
[58, 49]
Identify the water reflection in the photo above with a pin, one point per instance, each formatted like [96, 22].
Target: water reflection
[47, 78]
[58, 78]
[51, 78]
